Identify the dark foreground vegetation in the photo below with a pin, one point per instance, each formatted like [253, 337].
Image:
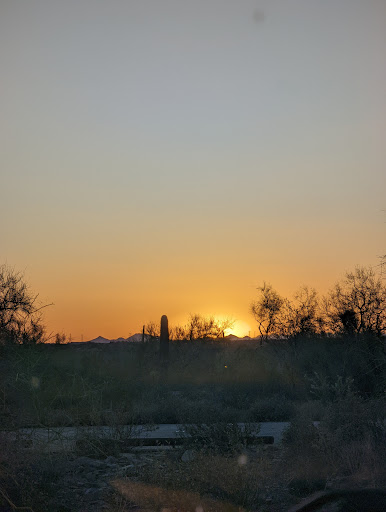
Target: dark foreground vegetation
[62, 385]
[338, 381]
[336, 378]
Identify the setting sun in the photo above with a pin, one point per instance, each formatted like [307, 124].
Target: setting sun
[239, 327]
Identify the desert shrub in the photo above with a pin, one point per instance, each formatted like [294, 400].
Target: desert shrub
[236, 481]
[327, 390]
[313, 409]
[348, 441]
[301, 435]
[272, 408]
[220, 438]
[187, 405]
[302, 487]
[304, 466]
[163, 407]
[97, 447]
[103, 443]
[359, 360]
[27, 477]
[352, 434]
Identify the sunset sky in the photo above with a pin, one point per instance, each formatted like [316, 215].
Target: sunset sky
[168, 156]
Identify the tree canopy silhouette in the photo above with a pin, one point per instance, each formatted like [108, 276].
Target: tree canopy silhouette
[355, 305]
[20, 314]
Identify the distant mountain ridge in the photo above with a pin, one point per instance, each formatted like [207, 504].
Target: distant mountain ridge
[233, 337]
[101, 339]
[135, 338]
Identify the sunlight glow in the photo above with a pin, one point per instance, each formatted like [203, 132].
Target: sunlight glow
[239, 328]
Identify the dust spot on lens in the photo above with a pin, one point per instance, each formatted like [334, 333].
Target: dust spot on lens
[35, 382]
[258, 16]
[242, 460]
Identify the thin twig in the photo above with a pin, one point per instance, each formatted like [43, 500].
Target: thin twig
[11, 504]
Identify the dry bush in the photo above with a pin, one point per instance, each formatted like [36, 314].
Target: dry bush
[222, 438]
[245, 479]
[349, 443]
[151, 497]
[27, 478]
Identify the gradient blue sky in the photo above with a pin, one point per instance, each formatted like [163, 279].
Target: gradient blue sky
[166, 157]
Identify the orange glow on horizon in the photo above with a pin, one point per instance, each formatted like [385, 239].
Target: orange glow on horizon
[240, 329]
[117, 304]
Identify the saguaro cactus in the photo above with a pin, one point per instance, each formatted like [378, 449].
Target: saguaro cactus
[164, 340]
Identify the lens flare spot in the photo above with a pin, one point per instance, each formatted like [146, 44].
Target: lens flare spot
[242, 460]
[35, 382]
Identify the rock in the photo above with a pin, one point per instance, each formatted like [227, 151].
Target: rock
[87, 464]
[83, 461]
[129, 457]
[92, 490]
[90, 476]
[188, 456]
[126, 470]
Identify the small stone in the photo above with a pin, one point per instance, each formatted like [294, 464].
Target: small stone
[86, 463]
[128, 456]
[83, 461]
[124, 470]
[188, 456]
[92, 490]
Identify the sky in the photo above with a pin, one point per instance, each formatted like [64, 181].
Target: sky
[168, 156]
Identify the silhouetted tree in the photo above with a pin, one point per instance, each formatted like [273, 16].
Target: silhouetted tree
[301, 316]
[20, 319]
[383, 265]
[267, 310]
[198, 328]
[357, 304]
[283, 318]
[349, 321]
[151, 331]
[60, 338]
